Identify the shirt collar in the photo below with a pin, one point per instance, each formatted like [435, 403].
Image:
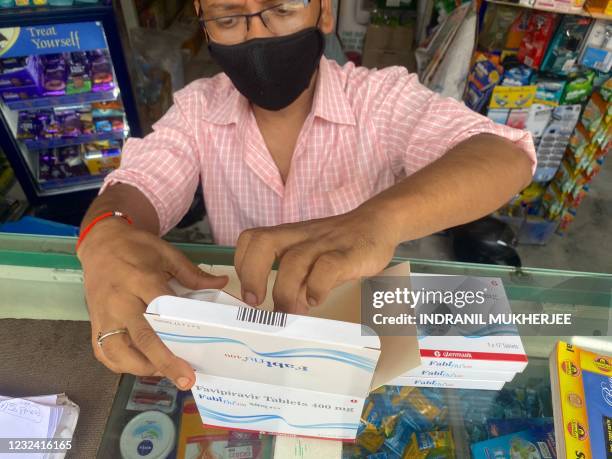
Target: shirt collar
[330, 101]
[226, 104]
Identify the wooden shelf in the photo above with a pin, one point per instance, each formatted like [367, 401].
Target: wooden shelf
[584, 13]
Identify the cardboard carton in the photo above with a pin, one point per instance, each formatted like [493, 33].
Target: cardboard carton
[387, 46]
[267, 371]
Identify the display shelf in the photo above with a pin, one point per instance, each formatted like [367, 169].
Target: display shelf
[584, 13]
[67, 142]
[26, 11]
[59, 101]
[70, 184]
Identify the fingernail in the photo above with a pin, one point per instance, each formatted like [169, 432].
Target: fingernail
[183, 382]
[250, 299]
[312, 302]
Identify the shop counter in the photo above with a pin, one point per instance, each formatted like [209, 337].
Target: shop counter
[49, 348]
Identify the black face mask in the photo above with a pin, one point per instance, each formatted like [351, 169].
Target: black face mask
[272, 72]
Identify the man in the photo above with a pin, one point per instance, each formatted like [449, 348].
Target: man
[323, 168]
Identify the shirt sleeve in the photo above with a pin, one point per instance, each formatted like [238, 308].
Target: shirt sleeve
[416, 126]
[164, 166]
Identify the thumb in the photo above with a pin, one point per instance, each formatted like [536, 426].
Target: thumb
[190, 275]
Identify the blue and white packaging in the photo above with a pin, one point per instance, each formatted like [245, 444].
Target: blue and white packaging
[279, 373]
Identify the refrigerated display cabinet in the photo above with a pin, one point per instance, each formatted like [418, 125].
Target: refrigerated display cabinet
[66, 103]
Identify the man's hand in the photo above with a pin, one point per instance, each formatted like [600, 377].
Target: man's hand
[314, 257]
[472, 179]
[125, 269]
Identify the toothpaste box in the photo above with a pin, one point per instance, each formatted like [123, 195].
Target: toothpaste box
[279, 373]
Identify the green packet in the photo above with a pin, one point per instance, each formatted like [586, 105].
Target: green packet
[578, 88]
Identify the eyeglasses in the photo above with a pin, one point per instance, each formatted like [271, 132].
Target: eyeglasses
[284, 18]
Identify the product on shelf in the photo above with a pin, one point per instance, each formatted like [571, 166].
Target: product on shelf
[501, 427]
[553, 143]
[513, 409]
[61, 163]
[107, 109]
[91, 159]
[586, 151]
[102, 157]
[512, 97]
[536, 443]
[19, 78]
[597, 52]
[400, 422]
[520, 75]
[517, 31]
[538, 119]
[581, 388]
[79, 74]
[498, 20]
[571, 74]
[562, 54]
[66, 123]
[549, 91]
[578, 88]
[101, 70]
[600, 6]
[484, 75]
[55, 75]
[152, 393]
[24, 3]
[535, 41]
[430, 444]
[27, 126]
[197, 440]
[595, 112]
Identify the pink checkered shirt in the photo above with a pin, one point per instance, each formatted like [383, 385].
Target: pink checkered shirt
[367, 130]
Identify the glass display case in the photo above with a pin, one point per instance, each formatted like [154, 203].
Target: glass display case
[44, 274]
[66, 103]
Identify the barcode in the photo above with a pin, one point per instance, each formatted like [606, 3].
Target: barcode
[259, 316]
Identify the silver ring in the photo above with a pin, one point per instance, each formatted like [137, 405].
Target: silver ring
[103, 336]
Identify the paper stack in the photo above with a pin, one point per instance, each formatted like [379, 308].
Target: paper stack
[465, 350]
[51, 417]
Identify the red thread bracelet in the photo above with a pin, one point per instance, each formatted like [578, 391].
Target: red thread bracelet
[97, 220]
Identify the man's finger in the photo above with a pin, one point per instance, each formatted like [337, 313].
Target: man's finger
[148, 287]
[242, 244]
[293, 270]
[164, 361]
[119, 356]
[328, 271]
[188, 274]
[256, 263]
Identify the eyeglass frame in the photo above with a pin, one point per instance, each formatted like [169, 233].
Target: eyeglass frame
[247, 16]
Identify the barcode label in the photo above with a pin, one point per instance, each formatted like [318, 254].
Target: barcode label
[259, 316]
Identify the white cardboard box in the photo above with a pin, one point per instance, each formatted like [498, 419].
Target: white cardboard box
[470, 347]
[445, 383]
[280, 373]
[451, 372]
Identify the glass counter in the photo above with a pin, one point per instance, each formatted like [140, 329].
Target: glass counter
[40, 278]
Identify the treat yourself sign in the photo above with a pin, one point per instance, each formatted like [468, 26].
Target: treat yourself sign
[46, 39]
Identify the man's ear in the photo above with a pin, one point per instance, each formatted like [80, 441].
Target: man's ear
[326, 23]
